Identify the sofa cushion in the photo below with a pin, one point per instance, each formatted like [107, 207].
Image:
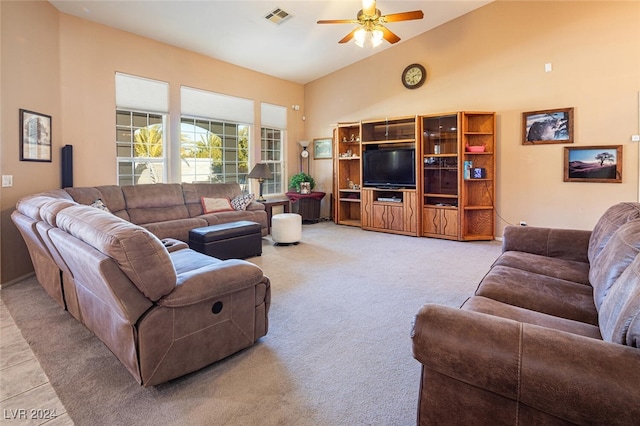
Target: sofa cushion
[139, 253]
[111, 196]
[499, 309]
[99, 204]
[214, 205]
[569, 270]
[619, 314]
[50, 210]
[193, 193]
[540, 293]
[609, 222]
[155, 203]
[622, 248]
[178, 229]
[30, 206]
[241, 202]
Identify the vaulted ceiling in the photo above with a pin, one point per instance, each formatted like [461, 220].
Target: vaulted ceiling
[296, 49]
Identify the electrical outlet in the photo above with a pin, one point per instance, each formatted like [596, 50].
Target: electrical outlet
[7, 181]
[523, 223]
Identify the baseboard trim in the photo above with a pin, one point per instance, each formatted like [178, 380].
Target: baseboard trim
[16, 280]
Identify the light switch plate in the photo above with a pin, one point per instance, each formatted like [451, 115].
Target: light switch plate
[7, 180]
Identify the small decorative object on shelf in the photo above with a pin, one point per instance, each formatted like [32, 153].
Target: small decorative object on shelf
[475, 148]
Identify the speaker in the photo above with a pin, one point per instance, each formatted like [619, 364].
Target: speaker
[67, 166]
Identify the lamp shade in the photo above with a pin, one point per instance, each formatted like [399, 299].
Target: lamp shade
[260, 171]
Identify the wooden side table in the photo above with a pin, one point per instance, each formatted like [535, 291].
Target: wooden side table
[269, 204]
[306, 205]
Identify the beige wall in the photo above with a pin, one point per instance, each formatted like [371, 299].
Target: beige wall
[65, 67]
[493, 59]
[30, 79]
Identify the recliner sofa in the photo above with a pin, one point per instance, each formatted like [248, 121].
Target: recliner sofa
[551, 335]
[163, 309]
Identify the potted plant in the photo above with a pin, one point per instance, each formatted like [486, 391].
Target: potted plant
[296, 180]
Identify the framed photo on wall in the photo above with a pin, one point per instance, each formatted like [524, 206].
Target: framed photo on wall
[593, 164]
[322, 148]
[35, 136]
[547, 126]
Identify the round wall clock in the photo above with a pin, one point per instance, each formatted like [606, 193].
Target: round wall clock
[304, 153]
[414, 76]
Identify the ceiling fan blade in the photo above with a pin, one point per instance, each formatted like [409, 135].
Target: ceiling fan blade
[404, 16]
[337, 21]
[389, 36]
[368, 7]
[349, 36]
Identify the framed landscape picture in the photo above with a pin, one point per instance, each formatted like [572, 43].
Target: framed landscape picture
[322, 148]
[35, 136]
[547, 126]
[593, 164]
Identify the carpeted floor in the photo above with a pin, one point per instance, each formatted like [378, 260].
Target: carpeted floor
[338, 351]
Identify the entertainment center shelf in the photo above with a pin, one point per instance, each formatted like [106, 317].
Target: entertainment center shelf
[380, 213]
[451, 158]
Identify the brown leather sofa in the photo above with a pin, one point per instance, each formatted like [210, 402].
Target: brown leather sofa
[551, 335]
[167, 210]
[163, 309]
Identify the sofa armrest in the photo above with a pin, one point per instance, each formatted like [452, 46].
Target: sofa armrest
[210, 281]
[574, 378]
[254, 205]
[570, 244]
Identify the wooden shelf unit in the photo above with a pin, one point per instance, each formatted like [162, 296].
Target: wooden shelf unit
[390, 130]
[453, 206]
[445, 203]
[399, 217]
[347, 174]
[477, 218]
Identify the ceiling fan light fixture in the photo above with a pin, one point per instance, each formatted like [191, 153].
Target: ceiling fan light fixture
[360, 36]
[376, 37]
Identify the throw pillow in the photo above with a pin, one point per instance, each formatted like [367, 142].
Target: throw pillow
[242, 201]
[213, 205]
[99, 204]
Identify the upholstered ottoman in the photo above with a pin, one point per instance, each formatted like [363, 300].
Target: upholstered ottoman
[233, 240]
[286, 228]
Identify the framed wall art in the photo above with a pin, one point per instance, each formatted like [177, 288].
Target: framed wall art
[322, 148]
[593, 164]
[35, 136]
[547, 126]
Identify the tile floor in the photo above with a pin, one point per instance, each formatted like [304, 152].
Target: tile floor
[26, 396]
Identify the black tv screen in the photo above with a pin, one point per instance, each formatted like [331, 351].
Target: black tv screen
[389, 168]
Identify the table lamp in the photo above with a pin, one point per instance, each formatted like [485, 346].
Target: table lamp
[261, 172]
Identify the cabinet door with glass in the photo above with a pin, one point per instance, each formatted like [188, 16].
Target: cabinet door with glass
[441, 175]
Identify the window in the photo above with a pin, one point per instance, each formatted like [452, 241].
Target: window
[271, 142]
[214, 151]
[142, 106]
[272, 138]
[140, 147]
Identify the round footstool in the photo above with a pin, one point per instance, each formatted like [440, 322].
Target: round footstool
[286, 228]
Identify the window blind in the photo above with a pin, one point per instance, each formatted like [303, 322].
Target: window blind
[205, 104]
[143, 94]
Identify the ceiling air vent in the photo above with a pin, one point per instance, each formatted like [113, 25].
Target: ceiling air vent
[277, 16]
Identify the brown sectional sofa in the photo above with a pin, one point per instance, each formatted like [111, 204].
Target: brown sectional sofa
[163, 309]
[551, 336]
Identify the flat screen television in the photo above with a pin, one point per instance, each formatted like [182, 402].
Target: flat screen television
[389, 168]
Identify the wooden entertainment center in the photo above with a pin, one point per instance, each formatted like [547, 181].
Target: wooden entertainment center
[452, 189]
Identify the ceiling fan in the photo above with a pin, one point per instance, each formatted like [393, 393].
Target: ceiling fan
[371, 22]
